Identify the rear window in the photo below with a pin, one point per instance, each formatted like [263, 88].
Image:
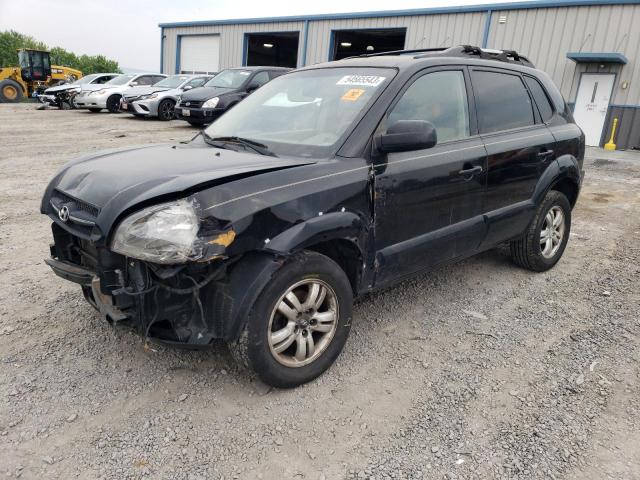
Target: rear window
[540, 97]
[502, 101]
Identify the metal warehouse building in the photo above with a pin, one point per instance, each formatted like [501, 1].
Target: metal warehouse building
[590, 48]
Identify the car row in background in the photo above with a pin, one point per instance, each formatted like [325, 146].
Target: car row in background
[202, 106]
[159, 100]
[198, 99]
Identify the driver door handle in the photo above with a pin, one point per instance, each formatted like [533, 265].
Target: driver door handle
[471, 171]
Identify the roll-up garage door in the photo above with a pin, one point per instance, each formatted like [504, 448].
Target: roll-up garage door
[199, 53]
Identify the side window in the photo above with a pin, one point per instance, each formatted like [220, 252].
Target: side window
[439, 98]
[276, 73]
[502, 101]
[540, 97]
[157, 78]
[144, 80]
[261, 78]
[101, 80]
[196, 82]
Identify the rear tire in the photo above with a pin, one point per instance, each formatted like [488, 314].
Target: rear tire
[166, 110]
[195, 124]
[544, 241]
[10, 91]
[290, 343]
[113, 103]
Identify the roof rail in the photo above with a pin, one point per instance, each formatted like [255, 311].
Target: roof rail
[508, 56]
[399, 52]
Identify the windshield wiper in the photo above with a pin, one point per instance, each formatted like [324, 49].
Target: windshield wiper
[257, 147]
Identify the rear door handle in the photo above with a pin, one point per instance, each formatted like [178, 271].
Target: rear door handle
[467, 172]
[545, 154]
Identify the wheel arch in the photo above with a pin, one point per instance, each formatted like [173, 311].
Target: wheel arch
[340, 236]
[563, 175]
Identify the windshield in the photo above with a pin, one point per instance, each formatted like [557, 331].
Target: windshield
[304, 113]
[229, 79]
[85, 80]
[173, 81]
[121, 80]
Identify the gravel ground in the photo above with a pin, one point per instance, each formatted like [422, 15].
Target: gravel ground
[478, 370]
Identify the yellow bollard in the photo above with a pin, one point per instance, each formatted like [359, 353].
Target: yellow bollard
[610, 145]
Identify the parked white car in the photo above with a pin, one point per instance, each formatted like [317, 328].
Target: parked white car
[160, 99]
[99, 97]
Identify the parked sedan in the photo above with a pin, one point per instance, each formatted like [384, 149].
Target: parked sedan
[98, 97]
[160, 99]
[63, 96]
[203, 105]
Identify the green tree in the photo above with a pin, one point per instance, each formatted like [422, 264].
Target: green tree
[10, 41]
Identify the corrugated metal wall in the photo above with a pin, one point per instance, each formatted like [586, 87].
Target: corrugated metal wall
[422, 31]
[231, 40]
[546, 35]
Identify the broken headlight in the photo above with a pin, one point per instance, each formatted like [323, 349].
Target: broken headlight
[165, 233]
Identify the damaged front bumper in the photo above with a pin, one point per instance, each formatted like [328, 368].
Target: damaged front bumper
[175, 304]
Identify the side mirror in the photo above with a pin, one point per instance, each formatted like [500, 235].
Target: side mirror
[407, 135]
[187, 87]
[252, 87]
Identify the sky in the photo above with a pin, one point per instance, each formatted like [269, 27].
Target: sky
[127, 30]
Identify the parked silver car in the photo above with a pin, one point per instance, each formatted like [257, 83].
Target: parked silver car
[160, 99]
[63, 96]
[99, 97]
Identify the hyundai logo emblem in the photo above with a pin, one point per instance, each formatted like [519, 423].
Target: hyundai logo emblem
[63, 213]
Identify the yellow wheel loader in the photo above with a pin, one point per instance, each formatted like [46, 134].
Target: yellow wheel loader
[34, 74]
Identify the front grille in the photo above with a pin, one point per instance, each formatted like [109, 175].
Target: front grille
[73, 204]
[191, 104]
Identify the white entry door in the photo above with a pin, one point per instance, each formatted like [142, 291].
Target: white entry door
[592, 103]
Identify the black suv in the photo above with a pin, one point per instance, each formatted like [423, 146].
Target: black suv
[203, 105]
[327, 183]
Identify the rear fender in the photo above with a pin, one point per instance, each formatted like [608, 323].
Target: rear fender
[564, 167]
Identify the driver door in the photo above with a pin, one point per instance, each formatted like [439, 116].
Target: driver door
[429, 203]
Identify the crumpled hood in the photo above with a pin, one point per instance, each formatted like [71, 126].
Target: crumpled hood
[205, 93]
[61, 88]
[117, 180]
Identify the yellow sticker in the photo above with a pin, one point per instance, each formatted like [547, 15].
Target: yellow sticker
[352, 95]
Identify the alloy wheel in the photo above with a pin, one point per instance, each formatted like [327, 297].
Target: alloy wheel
[552, 232]
[303, 323]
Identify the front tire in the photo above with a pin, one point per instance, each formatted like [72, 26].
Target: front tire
[113, 103]
[166, 110]
[95, 110]
[545, 240]
[299, 324]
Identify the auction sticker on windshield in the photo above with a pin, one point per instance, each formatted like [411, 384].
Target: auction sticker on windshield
[362, 80]
[353, 94]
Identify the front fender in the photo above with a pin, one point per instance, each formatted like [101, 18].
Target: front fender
[323, 228]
